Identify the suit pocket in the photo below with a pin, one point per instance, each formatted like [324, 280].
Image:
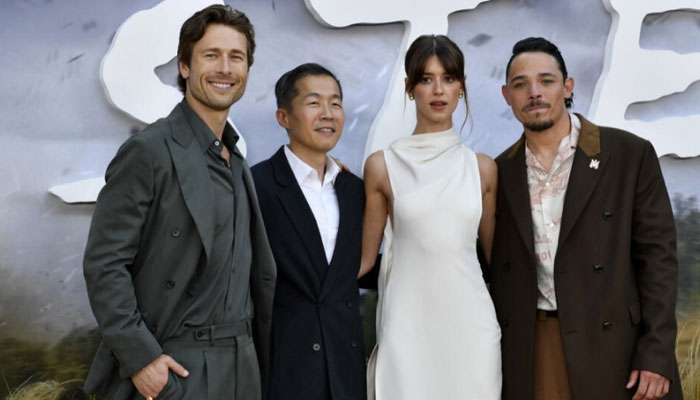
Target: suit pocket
[635, 310]
[172, 390]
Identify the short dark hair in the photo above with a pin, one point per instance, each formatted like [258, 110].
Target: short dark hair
[286, 89]
[194, 28]
[447, 51]
[541, 45]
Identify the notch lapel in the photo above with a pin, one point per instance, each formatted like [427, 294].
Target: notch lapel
[589, 163]
[297, 209]
[513, 174]
[193, 176]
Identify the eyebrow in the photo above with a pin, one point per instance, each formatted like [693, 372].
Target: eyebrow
[540, 75]
[314, 94]
[218, 50]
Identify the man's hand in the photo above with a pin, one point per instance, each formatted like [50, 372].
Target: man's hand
[153, 377]
[651, 385]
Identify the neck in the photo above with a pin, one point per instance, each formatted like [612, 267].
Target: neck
[432, 126]
[545, 144]
[215, 119]
[315, 160]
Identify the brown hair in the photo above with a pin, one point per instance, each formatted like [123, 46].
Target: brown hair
[449, 54]
[194, 28]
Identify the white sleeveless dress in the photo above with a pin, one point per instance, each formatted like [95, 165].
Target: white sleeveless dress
[437, 333]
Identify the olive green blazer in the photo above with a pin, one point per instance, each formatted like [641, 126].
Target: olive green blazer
[151, 228]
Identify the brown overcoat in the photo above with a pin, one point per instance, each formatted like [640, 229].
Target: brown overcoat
[615, 269]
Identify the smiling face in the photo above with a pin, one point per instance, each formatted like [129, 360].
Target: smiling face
[315, 118]
[436, 96]
[218, 71]
[536, 89]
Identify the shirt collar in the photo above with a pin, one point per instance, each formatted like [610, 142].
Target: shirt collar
[205, 137]
[302, 171]
[567, 145]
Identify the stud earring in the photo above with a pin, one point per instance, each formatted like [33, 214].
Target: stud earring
[461, 94]
[410, 96]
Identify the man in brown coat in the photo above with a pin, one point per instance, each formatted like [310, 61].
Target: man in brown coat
[584, 269]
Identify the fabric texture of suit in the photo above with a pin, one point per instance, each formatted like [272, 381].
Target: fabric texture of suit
[615, 269]
[317, 350]
[151, 229]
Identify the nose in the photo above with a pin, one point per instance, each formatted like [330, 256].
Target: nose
[326, 112]
[438, 88]
[535, 91]
[224, 66]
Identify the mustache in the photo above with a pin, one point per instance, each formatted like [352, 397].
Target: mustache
[536, 103]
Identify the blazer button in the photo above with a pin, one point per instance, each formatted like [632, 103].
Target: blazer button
[353, 344]
[607, 215]
[607, 325]
[175, 232]
[506, 266]
[170, 284]
[598, 268]
[316, 347]
[349, 304]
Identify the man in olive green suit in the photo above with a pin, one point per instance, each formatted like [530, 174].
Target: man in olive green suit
[178, 268]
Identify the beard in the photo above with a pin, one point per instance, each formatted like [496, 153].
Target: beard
[539, 126]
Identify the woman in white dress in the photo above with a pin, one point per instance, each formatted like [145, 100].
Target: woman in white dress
[437, 333]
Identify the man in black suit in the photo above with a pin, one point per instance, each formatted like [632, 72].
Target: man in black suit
[313, 216]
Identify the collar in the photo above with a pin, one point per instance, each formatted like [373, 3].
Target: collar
[205, 137]
[302, 171]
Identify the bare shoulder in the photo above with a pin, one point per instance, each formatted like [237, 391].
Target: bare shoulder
[375, 166]
[487, 167]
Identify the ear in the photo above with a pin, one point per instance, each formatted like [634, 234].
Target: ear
[569, 86]
[282, 118]
[184, 69]
[506, 95]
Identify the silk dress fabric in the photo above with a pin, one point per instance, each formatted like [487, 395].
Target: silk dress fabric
[437, 332]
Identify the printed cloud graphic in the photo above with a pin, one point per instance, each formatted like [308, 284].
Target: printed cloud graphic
[632, 75]
[148, 39]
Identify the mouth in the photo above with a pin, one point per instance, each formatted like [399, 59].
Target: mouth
[438, 104]
[326, 130]
[535, 106]
[221, 85]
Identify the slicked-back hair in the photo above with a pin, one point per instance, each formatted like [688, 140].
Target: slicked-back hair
[286, 87]
[541, 45]
[447, 51]
[194, 28]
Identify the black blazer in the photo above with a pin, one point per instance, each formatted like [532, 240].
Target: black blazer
[316, 344]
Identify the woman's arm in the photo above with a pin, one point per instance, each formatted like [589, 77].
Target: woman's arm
[377, 193]
[488, 171]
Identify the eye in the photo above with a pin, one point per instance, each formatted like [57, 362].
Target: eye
[519, 85]
[313, 103]
[210, 55]
[336, 104]
[237, 57]
[547, 81]
[449, 79]
[426, 79]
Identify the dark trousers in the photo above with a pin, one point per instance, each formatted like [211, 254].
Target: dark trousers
[551, 380]
[219, 369]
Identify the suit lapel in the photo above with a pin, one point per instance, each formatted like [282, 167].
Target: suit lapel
[347, 209]
[589, 163]
[514, 186]
[297, 209]
[193, 176]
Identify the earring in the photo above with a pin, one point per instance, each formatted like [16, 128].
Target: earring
[410, 96]
[461, 94]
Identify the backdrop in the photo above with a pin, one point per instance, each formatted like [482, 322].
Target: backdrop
[60, 121]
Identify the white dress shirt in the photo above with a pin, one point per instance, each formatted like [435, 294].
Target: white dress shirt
[321, 197]
[547, 192]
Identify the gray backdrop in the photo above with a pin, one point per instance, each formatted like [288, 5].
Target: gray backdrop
[57, 126]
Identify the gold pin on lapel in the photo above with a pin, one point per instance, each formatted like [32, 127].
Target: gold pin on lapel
[594, 164]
